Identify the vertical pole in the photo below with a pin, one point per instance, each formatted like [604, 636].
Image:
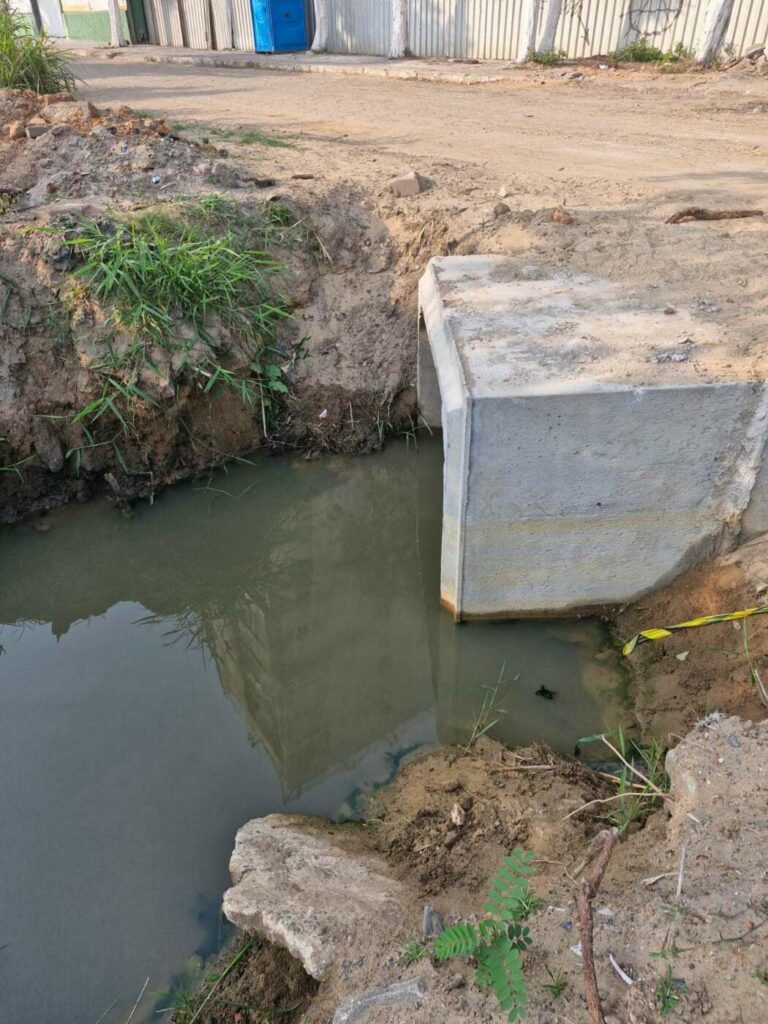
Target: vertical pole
[718, 17]
[528, 27]
[399, 43]
[320, 42]
[552, 20]
[116, 34]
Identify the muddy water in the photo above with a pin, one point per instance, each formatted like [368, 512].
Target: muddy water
[270, 640]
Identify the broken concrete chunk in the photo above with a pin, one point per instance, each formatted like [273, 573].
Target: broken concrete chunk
[411, 184]
[72, 112]
[355, 1011]
[298, 886]
[35, 127]
[499, 210]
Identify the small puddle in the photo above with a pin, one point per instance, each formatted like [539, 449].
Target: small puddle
[269, 642]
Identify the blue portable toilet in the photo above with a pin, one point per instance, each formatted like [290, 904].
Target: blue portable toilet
[279, 25]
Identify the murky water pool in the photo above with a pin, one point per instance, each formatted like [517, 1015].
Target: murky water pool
[268, 641]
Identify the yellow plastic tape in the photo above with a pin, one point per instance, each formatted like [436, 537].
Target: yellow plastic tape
[705, 620]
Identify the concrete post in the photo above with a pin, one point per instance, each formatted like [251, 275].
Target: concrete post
[320, 42]
[528, 33]
[552, 20]
[399, 42]
[116, 34]
[718, 18]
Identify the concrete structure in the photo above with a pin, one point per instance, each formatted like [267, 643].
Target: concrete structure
[594, 446]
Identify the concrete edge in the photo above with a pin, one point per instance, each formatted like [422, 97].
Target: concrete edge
[397, 73]
[446, 357]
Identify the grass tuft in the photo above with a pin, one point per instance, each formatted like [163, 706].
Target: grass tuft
[549, 58]
[29, 60]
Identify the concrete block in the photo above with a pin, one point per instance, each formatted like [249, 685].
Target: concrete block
[408, 185]
[594, 447]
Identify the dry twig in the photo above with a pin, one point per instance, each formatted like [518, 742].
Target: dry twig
[598, 857]
[699, 213]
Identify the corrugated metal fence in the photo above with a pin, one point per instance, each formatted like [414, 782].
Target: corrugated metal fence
[493, 29]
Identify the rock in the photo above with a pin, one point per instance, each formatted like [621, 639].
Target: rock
[224, 174]
[503, 192]
[755, 51]
[73, 112]
[35, 127]
[411, 184]
[500, 209]
[356, 1010]
[560, 216]
[297, 884]
[16, 130]
[433, 923]
[47, 445]
[458, 815]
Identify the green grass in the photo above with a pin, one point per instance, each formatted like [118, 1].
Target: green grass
[188, 280]
[413, 951]
[29, 60]
[549, 58]
[556, 985]
[642, 52]
[667, 992]
[258, 138]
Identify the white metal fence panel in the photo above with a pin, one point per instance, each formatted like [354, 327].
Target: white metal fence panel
[359, 26]
[196, 16]
[492, 29]
[164, 22]
[242, 25]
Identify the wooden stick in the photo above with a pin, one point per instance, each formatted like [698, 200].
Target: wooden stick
[699, 213]
[598, 857]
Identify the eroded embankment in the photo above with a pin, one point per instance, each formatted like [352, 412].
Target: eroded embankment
[152, 312]
[681, 911]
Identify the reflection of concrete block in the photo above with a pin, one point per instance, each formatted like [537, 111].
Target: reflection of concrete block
[593, 448]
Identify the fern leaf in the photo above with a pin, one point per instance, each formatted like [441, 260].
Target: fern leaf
[508, 896]
[499, 966]
[459, 940]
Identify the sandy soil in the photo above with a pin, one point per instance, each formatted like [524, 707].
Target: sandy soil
[690, 939]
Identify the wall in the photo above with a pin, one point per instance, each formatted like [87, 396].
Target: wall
[89, 20]
[492, 29]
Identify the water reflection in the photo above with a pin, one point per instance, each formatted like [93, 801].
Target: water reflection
[315, 595]
[271, 642]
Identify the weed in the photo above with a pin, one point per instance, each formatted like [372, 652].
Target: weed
[413, 951]
[30, 60]
[643, 52]
[497, 942]
[489, 713]
[641, 780]
[549, 58]
[255, 137]
[760, 974]
[186, 1005]
[180, 265]
[754, 675]
[667, 992]
[557, 984]
[15, 467]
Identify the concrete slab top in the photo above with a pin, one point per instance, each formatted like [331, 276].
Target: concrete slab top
[520, 329]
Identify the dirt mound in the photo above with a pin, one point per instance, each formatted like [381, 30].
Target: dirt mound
[679, 680]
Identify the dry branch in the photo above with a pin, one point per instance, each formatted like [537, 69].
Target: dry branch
[597, 858]
[699, 213]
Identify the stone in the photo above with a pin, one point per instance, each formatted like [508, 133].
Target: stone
[297, 885]
[499, 210]
[224, 174]
[561, 216]
[355, 1011]
[73, 112]
[35, 127]
[16, 130]
[407, 185]
[433, 923]
[554, 409]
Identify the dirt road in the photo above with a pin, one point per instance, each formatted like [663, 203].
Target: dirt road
[628, 137]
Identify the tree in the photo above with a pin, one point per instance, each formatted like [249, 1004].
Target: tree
[718, 17]
[399, 44]
[320, 42]
[116, 34]
[554, 10]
